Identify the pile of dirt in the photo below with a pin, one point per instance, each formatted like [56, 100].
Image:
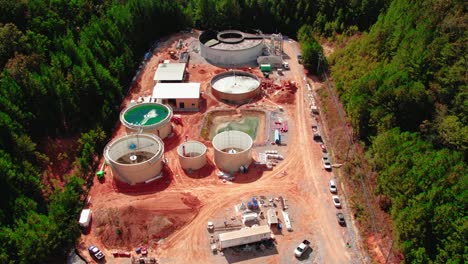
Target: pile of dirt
[128, 225]
[283, 97]
[190, 200]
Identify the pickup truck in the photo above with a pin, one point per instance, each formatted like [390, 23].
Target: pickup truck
[95, 252]
[302, 248]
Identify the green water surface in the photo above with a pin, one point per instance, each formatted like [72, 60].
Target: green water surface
[247, 125]
[137, 114]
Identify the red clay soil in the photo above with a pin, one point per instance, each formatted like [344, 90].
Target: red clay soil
[136, 223]
[178, 206]
[61, 153]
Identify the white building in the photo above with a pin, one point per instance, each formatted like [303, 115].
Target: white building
[170, 72]
[180, 96]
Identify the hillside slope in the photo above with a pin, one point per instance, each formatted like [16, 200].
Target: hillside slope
[404, 85]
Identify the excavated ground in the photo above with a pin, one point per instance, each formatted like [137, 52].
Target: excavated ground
[170, 215]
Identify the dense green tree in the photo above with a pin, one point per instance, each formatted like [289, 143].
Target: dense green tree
[403, 78]
[10, 41]
[326, 17]
[427, 190]
[63, 66]
[312, 52]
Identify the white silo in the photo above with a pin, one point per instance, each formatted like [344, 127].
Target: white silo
[135, 158]
[232, 149]
[192, 155]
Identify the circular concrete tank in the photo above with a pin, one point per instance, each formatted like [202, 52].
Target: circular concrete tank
[192, 155]
[232, 149]
[231, 47]
[135, 158]
[236, 87]
[152, 118]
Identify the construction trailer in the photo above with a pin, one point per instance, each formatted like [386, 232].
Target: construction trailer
[244, 236]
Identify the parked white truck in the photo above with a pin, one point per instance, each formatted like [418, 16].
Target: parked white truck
[302, 248]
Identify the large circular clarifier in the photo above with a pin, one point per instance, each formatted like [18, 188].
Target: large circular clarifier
[230, 48]
[232, 149]
[152, 118]
[192, 155]
[235, 86]
[135, 158]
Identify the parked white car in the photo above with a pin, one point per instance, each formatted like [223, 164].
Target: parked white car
[326, 161]
[332, 185]
[336, 201]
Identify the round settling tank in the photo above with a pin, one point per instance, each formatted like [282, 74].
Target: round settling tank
[236, 87]
[232, 149]
[192, 155]
[230, 47]
[152, 118]
[135, 158]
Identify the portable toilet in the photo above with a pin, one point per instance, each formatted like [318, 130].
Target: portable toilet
[277, 137]
[265, 67]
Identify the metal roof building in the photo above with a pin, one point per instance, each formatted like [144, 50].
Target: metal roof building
[272, 218]
[170, 72]
[244, 236]
[180, 96]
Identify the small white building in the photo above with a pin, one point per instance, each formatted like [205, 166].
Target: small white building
[170, 72]
[276, 62]
[251, 216]
[272, 217]
[180, 96]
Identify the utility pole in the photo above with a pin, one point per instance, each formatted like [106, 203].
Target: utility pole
[319, 60]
